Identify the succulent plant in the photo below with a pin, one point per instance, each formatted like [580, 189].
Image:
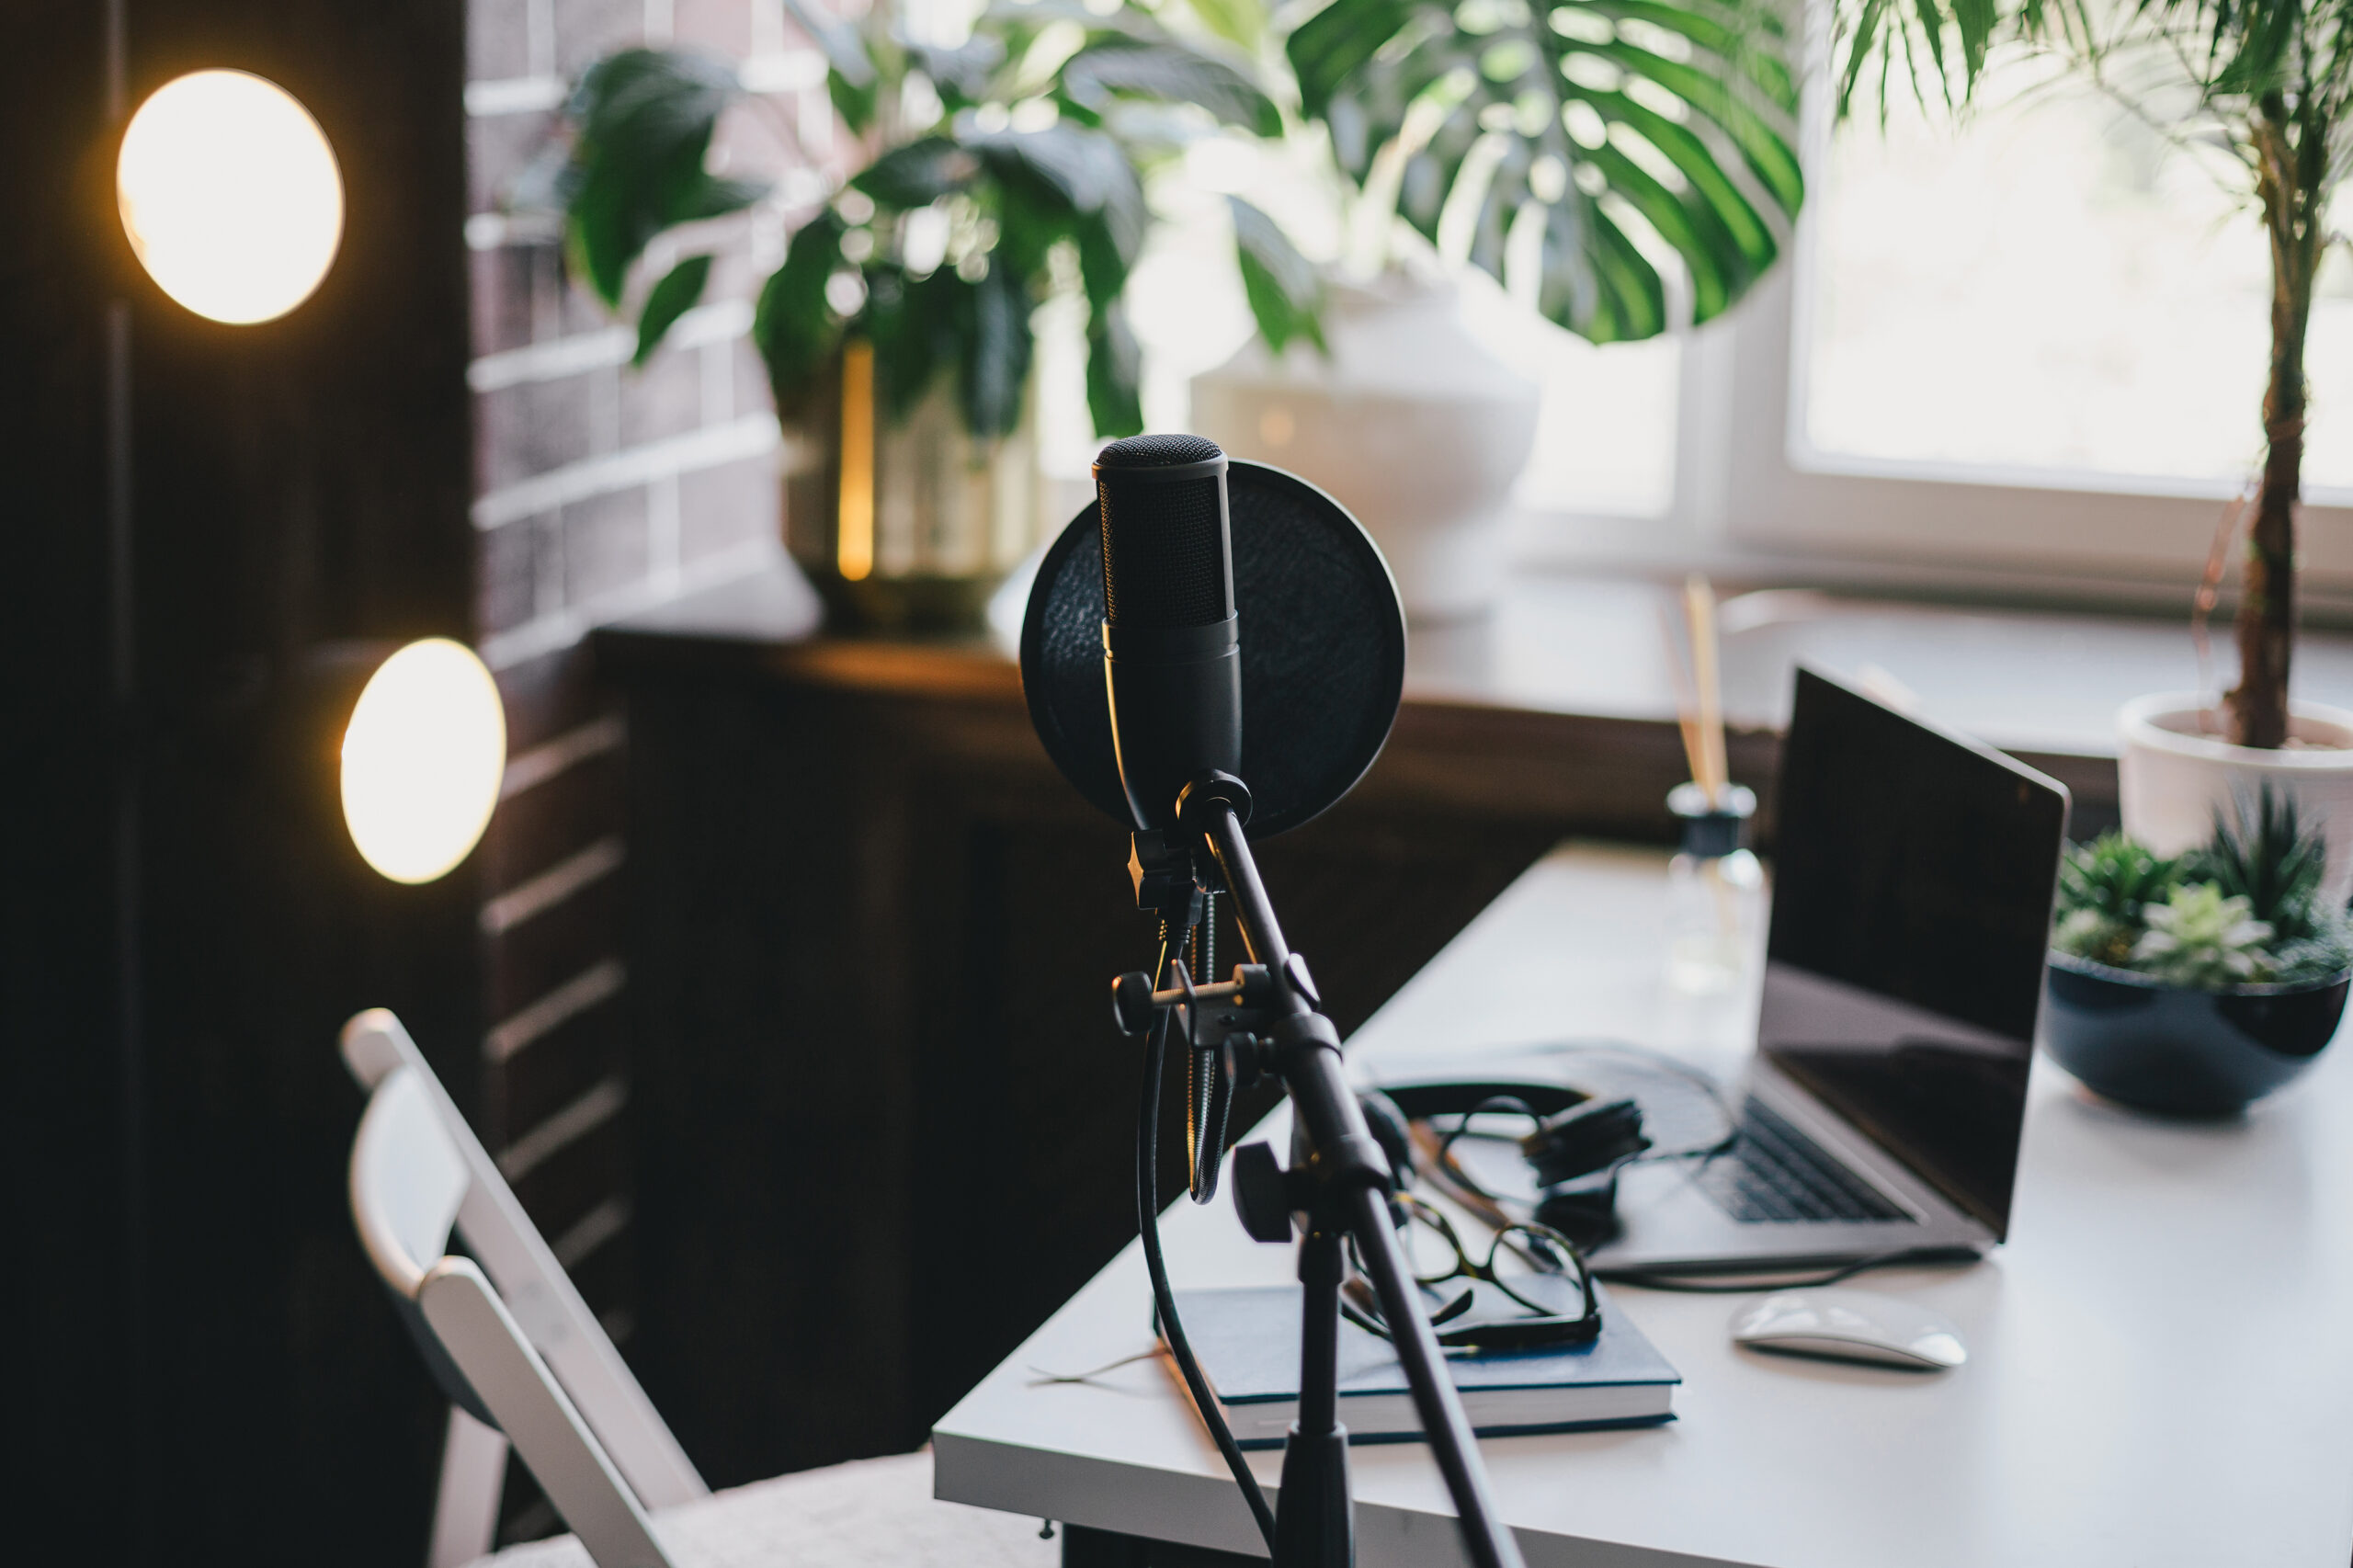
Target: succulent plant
[2244, 908]
[2262, 852]
[2103, 888]
[2200, 936]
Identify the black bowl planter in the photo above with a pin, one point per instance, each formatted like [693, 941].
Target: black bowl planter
[2183, 1051]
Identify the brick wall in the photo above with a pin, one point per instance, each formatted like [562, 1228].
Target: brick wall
[600, 490]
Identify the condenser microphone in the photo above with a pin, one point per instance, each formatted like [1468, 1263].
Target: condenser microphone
[1171, 649]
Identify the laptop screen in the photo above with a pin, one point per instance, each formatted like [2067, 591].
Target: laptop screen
[1914, 873]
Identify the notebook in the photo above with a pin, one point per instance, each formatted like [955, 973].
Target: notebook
[1248, 1343]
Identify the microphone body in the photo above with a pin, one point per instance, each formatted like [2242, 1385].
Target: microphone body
[1171, 649]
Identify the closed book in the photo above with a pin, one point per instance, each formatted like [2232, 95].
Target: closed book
[1248, 1343]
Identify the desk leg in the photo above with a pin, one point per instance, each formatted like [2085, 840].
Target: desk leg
[1084, 1548]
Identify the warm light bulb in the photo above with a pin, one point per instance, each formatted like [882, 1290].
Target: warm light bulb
[229, 192]
[422, 760]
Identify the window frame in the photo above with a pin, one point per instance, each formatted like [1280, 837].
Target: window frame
[1751, 499]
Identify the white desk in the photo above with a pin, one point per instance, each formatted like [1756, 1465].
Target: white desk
[2162, 1358]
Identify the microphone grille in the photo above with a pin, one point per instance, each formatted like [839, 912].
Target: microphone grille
[1157, 452]
[1163, 541]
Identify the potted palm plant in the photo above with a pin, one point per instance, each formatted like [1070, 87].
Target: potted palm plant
[1564, 149]
[999, 175]
[2269, 81]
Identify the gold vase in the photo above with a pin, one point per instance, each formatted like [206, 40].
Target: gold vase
[904, 527]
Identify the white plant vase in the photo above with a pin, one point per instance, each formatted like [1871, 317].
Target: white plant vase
[2173, 773]
[1410, 424]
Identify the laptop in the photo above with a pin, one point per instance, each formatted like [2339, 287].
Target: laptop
[1913, 871]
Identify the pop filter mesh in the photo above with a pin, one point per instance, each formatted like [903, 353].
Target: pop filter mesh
[1323, 650]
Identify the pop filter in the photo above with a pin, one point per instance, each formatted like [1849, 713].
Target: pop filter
[1323, 650]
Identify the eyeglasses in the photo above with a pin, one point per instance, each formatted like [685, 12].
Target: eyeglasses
[1531, 1266]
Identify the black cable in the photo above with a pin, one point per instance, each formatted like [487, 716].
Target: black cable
[1648, 1057]
[1707, 1285]
[1163, 1299]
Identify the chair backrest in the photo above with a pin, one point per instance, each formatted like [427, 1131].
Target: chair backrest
[528, 1350]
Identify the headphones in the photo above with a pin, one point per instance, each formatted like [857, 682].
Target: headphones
[1574, 1149]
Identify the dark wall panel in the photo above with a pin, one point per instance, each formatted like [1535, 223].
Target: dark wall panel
[197, 517]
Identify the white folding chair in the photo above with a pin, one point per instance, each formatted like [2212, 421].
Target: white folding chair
[523, 1362]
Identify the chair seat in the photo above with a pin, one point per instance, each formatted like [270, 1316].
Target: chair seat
[866, 1514]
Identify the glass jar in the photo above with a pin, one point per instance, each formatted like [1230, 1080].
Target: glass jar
[1715, 892]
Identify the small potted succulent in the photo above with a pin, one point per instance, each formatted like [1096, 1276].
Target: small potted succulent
[2196, 985]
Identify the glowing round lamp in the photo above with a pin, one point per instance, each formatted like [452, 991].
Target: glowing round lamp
[422, 760]
[230, 193]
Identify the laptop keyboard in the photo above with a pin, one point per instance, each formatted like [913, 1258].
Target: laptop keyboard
[1776, 1172]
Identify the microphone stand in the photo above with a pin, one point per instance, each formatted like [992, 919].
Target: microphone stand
[1339, 1180]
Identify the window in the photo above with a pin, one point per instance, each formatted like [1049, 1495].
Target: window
[2055, 290]
[2022, 353]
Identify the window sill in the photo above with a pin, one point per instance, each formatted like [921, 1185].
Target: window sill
[1566, 690]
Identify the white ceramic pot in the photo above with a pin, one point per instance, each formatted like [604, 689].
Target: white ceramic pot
[2171, 775]
[1410, 424]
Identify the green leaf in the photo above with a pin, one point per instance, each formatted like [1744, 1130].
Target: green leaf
[1751, 39]
[1507, 80]
[1975, 19]
[854, 103]
[1693, 230]
[1080, 176]
[1084, 169]
[1765, 148]
[1114, 374]
[1168, 73]
[643, 121]
[918, 324]
[1330, 49]
[2263, 851]
[1103, 263]
[918, 174]
[714, 197]
[961, 74]
[793, 326]
[846, 54]
[1240, 22]
[1633, 302]
[1286, 296]
[670, 299]
[993, 363]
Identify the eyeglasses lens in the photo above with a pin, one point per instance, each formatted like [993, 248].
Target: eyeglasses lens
[1538, 1270]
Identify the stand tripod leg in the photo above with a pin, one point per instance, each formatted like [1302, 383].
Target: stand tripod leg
[1314, 1521]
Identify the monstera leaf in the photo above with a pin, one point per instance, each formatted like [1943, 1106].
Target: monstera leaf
[1586, 122]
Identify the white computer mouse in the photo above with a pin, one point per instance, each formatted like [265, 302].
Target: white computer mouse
[1850, 1325]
